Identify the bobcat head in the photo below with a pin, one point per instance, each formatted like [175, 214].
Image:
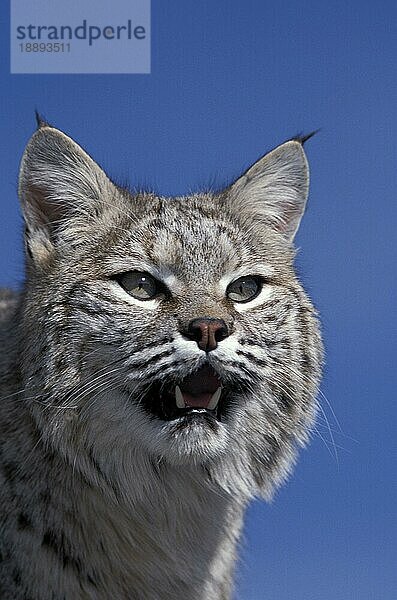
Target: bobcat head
[169, 328]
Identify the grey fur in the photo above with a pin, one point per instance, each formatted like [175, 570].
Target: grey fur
[99, 500]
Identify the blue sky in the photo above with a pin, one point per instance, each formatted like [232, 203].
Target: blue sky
[229, 81]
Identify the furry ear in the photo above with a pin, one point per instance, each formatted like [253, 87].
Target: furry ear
[274, 190]
[60, 188]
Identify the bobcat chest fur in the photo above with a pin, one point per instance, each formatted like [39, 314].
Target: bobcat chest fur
[158, 370]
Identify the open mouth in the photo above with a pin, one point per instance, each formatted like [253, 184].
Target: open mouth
[198, 394]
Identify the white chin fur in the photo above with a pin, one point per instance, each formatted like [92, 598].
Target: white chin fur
[163, 440]
[194, 443]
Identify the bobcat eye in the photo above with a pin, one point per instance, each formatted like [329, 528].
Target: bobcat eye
[244, 289]
[139, 285]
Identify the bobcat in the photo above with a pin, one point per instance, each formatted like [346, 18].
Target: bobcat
[158, 370]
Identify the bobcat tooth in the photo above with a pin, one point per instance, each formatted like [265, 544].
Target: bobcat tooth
[215, 399]
[179, 397]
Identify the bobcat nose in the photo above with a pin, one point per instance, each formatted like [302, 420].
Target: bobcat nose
[207, 332]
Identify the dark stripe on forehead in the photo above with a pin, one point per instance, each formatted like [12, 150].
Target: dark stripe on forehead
[217, 221]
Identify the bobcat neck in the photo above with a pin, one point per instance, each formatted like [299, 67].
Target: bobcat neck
[91, 541]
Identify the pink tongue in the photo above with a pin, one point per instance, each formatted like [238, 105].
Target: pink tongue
[200, 401]
[198, 388]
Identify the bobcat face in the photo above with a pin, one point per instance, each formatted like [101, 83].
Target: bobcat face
[176, 326]
[181, 317]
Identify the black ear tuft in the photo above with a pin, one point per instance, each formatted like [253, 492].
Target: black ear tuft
[40, 120]
[302, 138]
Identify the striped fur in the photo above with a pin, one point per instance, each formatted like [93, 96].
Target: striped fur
[100, 499]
